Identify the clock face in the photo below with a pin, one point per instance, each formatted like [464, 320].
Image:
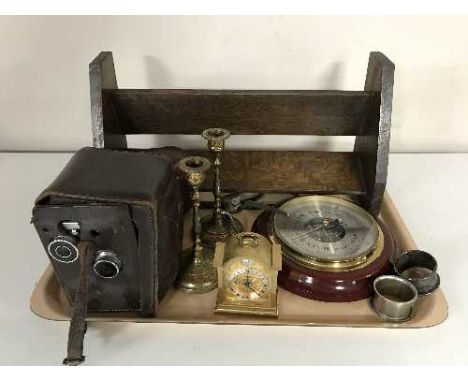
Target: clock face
[325, 228]
[246, 280]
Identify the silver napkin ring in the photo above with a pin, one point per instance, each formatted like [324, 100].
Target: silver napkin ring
[394, 298]
[420, 269]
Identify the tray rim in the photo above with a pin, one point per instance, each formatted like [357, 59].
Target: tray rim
[390, 215]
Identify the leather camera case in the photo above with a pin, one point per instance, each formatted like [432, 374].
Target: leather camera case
[129, 204]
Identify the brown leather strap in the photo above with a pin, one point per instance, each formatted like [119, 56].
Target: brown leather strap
[78, 324]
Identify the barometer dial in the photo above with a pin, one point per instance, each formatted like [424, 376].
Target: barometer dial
[325, 228]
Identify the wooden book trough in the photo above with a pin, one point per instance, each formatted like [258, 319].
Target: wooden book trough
[364, 114]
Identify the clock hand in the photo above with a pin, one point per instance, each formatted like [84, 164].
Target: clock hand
[253, 290]
[247, 284]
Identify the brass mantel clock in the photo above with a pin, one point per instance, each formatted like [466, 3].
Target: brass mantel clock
[248, 265]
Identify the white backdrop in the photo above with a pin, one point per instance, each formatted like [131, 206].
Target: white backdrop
[44, 89]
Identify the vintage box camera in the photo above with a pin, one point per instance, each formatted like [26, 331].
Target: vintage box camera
[129, 205]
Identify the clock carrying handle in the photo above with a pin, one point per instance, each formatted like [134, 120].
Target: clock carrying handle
[78, 323]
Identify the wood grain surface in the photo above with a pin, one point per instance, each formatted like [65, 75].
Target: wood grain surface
[292, 112]
[288, 172]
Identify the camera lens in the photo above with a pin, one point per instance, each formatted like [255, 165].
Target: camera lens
[63, 249]
[106, 269]
[107, 265]
[63, 252]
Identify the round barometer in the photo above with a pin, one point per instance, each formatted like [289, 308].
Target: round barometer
[332, 249]
[325, 231]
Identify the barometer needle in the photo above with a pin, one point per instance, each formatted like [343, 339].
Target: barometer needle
[333, 224]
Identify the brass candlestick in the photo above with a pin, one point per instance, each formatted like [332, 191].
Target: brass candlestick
[199, 276]
[220, 224]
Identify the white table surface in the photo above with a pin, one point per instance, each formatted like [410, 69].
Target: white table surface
[428, 189]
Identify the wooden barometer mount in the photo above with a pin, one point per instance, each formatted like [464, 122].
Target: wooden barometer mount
[359, 175]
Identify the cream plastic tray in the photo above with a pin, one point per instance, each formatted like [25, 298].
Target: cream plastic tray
[48, 300]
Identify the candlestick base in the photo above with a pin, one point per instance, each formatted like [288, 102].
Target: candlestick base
[212, 232]
[198, 276]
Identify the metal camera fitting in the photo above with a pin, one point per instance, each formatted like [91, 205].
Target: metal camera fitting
[63, 249]
[107, 265]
